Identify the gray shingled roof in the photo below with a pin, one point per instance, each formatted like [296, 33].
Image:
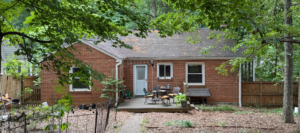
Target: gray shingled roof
[173, 47]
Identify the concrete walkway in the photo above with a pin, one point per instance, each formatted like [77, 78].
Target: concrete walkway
[132, 124]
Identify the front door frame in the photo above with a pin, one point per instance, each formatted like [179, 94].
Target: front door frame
[135, 77]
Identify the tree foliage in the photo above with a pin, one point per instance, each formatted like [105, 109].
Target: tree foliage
[48, 28]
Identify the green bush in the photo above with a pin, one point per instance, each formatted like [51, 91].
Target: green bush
[179, 123]
[216, 108]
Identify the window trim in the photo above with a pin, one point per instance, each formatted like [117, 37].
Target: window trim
[203, 72]
[171, 73]
[79, 89]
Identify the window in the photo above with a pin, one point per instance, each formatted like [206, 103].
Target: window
[195, 73]
[164, 70]
[78, 85]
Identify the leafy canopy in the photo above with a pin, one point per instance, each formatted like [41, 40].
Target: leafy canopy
[48, 28]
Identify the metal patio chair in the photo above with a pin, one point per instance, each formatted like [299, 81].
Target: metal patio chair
[147, 95]
[161, 95]
[175, 92]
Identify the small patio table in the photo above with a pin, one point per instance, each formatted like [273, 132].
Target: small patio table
[164, 88]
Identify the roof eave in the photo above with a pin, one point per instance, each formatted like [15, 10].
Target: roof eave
[179, 58]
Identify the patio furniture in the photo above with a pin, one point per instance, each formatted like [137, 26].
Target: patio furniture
[154, 90]
[162, 96]
[164, 88]
[175, 92]
[147, 95]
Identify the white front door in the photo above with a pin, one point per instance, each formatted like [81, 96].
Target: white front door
[140, 79]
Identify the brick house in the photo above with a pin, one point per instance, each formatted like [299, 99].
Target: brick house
[154, 61]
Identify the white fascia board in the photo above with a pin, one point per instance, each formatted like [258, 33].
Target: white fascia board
[180, 58]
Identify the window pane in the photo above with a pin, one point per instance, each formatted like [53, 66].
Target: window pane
[161, 70]
[140, 72]
[168, 71]
[194, 68]
[76, 70]
[79, 84]
[195, 78]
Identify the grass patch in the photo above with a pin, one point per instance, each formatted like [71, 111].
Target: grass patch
[216, 108]
[144, 122]
[242, 112]
[275, 111]
[179, 123]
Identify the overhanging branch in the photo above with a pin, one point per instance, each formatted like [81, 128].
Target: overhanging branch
[290, 40]
[26, 36]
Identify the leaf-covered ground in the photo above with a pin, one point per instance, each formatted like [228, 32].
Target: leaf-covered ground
[243, 120]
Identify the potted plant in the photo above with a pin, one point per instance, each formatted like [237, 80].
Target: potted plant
[182, 99]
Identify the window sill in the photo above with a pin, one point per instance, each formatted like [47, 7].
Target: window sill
[80, 92]
[164, 80]
[195, 84]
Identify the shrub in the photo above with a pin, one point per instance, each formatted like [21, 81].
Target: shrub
[179, 123]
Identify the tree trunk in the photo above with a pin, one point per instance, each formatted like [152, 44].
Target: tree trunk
[287, 114]
[133, 7]
[166, 9]
[148, 6]
[161, 7]
[298, 124]
[1, 37]
[154, 9]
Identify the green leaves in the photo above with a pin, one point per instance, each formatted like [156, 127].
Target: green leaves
[110, 87]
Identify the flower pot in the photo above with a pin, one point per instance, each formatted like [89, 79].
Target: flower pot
[184, 104]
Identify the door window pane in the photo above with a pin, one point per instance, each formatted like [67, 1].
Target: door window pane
[140, 72]
[194, 68]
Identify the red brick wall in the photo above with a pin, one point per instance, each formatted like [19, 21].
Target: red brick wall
[222, 88]
[98, 60]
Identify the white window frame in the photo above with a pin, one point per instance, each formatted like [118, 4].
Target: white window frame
[171, 73]
[203, 72]
[79, 89]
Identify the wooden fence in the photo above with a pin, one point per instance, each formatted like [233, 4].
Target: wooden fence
[14, 88]
[33, 98]
[261, 93]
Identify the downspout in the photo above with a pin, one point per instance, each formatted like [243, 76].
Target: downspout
[240, 86]
[119, 62]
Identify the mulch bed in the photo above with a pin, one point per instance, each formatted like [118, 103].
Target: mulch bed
[220, 121]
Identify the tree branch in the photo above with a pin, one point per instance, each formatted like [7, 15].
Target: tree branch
[290, 40]
[26, 36]
[295, 4]
[11, 6]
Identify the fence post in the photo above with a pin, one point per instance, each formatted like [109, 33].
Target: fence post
[260, 93]
[25, 123]
[96, 118]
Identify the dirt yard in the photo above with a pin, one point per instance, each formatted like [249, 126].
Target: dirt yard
[243, 120]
